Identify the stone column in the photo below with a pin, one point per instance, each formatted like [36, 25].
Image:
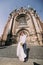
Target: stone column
[7, 29]
[10, 24]
[38, 29]
[13, 28]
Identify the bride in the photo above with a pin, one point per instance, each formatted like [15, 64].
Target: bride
[20, 51]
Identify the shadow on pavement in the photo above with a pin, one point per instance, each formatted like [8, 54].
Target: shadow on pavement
[35, 63]
[2, 47]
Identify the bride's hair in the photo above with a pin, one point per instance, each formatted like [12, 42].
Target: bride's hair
[22, 32]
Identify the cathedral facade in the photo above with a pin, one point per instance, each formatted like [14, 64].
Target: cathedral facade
[26, 20]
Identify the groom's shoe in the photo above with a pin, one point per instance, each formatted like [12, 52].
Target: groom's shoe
[25, 59]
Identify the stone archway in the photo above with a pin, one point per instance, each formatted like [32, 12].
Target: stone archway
[26, 32]
[23, 29]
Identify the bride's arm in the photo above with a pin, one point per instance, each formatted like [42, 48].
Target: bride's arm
[21, 44]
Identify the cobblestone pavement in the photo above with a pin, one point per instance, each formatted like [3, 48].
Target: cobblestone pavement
[34, 52]
[15, 61]
[8, 56]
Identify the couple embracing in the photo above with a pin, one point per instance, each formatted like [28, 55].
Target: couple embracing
[21, 47]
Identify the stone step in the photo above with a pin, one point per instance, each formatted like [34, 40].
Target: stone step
[34, 52]
[16, 61]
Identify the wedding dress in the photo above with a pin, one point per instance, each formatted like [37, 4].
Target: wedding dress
[20, 51]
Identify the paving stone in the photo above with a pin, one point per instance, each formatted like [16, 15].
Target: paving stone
[16, 61]
[35, 52]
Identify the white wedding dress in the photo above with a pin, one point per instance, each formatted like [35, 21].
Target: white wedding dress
[20, 52]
